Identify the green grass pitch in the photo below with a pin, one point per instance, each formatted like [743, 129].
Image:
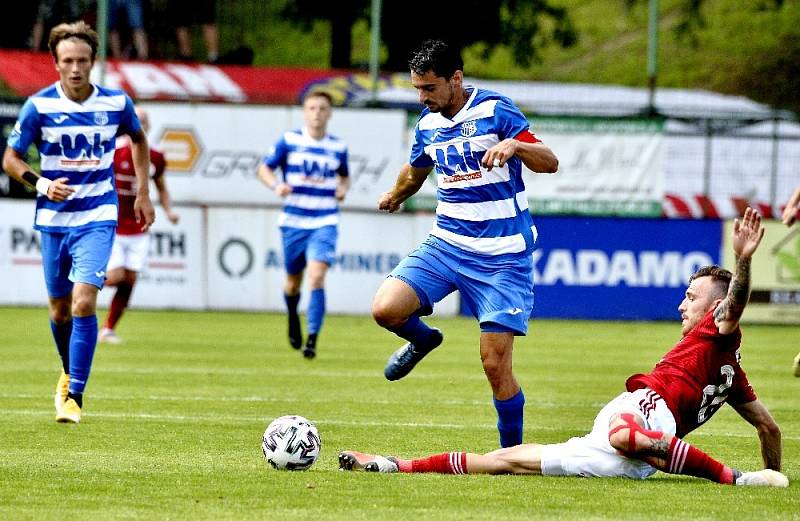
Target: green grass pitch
[173, 420]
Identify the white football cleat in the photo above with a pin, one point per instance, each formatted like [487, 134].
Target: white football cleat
[352, 460]
[108, 336]
[763, 478]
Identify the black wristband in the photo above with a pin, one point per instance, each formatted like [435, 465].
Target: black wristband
[30, 178]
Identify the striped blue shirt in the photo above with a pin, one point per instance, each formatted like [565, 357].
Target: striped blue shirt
[310, 166]
[479, 210]
[76, 141]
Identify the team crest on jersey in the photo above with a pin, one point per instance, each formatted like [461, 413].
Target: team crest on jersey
[468, 128]
[101, 118]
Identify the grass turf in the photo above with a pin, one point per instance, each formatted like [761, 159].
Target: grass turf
[173, 420]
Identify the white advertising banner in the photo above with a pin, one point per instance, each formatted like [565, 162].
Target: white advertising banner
[245, 263]
[174, 276]
[21, 276]
[213, 150]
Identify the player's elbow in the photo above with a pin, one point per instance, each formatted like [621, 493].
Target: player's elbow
[550, 165]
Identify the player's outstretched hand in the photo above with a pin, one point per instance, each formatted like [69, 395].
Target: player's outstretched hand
[59, 191]
[747, 234]
[387, 203]
[790, 214]
[144, 212]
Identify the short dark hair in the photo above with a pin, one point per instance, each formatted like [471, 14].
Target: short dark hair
[721, 276]
[79, 29]
[317, 93]
[437, 56]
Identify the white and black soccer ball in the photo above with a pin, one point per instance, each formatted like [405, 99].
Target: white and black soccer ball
[291, 443]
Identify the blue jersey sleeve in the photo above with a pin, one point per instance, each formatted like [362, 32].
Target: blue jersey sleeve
[419, 159]
[343, 170]
[509, 120]
[128, 121]
[27, 130]
[276, 157]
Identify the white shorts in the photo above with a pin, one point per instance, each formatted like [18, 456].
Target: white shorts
[593, 456]
[129, 252]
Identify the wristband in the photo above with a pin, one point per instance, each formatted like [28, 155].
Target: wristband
[43, 185]
[30, 178]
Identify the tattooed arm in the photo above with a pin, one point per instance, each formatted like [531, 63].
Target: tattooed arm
[768, 432]
[746, 237]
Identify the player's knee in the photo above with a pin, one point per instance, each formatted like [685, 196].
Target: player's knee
[83, 306]
[385, 316]
[620, 440]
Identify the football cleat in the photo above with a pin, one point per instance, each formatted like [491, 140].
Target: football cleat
[108, 336]
[763, 478]
[70, 412]
[62, 390]
[404, 359]
[295, 333]
[796, 365]
[352, 460]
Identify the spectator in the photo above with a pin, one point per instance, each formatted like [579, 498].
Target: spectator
[52, 12]
[133, 10]
[183, 14]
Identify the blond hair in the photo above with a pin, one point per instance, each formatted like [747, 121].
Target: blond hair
[79, 29]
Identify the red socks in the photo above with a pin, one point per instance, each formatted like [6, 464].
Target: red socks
[445, 463]
[682, 458]
[118, 304]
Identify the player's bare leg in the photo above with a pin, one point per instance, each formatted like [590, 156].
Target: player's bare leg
[395, 308]
[124, 281]
[496, 356]
[521, 459]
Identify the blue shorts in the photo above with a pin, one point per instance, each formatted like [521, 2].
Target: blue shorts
[301, 245]
[133, 13]
[498, 291]
[77, 256]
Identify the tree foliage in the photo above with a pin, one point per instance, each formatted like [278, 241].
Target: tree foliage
[523, 25]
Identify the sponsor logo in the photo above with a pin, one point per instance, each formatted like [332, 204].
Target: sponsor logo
[60, 119]
[100, 274]
[514, 311]
[181, 148]
[235, 257]
[661, 269]
[461, 177]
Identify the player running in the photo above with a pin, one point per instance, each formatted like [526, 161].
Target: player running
[476, 141]
[315, 180]
[74, 124]
[642, 430]
[131, 245]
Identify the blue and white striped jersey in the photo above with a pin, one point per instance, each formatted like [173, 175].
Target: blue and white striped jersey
[310, 166]
[479, 210]
[76, 141]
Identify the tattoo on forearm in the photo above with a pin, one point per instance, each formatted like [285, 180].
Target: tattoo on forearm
[738, 293]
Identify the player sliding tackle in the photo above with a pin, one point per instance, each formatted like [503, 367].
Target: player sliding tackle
[642, 430]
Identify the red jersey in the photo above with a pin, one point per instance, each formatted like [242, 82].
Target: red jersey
[698, 375]
[125, 178]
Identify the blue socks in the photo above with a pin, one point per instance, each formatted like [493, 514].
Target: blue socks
[509, 419]
[81, 351]
[316, 311]
[62, 334]
[415, 331]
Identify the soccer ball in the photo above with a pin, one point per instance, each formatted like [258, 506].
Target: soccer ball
[291, 443]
